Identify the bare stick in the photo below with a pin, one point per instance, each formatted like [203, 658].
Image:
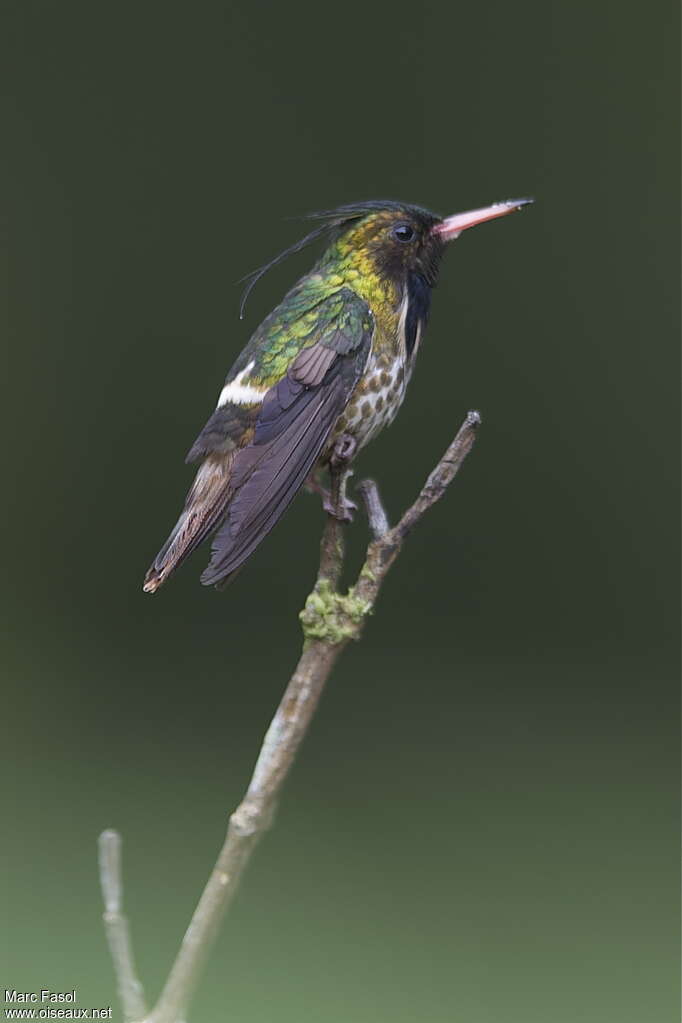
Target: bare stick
[382, 552]
[130, 990]
[376, 513]
[444, 473]
[330, 621]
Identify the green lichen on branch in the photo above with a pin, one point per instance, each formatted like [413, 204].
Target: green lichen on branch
[367, 573]
[332, 617]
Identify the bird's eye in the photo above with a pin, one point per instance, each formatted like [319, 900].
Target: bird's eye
[403, 232]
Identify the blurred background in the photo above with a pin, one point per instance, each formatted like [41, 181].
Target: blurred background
[482, 826]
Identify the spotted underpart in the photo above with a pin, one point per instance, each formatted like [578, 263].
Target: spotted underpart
[380, 392]
[375, 401]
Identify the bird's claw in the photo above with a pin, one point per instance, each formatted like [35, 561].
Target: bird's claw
[343, 510]
[337, 504]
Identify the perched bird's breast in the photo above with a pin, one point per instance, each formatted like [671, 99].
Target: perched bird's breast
[381, 389]
[375, 401]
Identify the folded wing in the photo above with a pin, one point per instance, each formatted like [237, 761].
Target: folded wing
[293, 427]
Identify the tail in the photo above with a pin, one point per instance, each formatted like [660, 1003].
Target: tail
[205, 506]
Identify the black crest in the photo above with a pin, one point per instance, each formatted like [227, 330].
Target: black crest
[333, 222]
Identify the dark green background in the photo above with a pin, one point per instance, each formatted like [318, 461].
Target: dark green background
[482, 824]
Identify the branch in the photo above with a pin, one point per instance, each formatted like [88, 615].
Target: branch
[383, 551]
[376, 514]
[330, 621]
[130, 990]
[444, 473]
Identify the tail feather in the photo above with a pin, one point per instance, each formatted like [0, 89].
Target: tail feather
[205, 506]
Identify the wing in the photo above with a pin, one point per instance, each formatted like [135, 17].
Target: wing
[292, 426]
[308, 313]
[275, 412]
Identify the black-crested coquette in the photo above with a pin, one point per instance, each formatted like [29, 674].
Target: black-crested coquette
[329, 365]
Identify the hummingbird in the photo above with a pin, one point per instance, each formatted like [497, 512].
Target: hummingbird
[319, 378]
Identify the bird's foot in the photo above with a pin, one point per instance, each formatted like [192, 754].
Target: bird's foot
[334, 500]
[343, 451]
[338, 504]
[343, 509]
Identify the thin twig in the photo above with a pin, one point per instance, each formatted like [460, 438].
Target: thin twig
[330, 621]
[443, 474]
[382, 553]
[130, 989]
[376, 513]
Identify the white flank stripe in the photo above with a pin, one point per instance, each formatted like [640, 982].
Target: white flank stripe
[239, 393]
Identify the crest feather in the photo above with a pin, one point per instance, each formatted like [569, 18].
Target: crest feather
[333, 221]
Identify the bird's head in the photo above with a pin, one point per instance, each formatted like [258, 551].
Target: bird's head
[400, 240]
[391, 239]
[395, 239]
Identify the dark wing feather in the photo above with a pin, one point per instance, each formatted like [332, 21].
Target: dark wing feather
[294, 424]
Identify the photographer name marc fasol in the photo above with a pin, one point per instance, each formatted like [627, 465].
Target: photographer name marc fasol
[44, 995]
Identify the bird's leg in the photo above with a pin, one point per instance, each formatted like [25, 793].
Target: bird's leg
[338, 504]
[343, 451]
[314, 485]
[334, 500]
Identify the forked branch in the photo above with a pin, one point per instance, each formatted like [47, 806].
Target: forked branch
[330, 620]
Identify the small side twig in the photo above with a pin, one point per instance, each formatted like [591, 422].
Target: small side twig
[130, 991]
[376, 513]
[383, 551]
[330, 621]
[444, 473]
